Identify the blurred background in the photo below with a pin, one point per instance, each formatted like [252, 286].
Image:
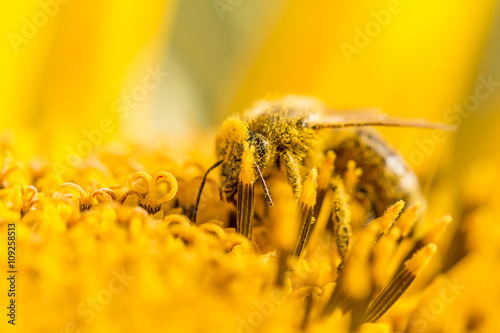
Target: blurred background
[78, 74]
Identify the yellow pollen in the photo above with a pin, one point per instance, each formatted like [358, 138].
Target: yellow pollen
[247, 175]
[437, 231]
[390, 215]
[326, 170]
[308, 195]
[420, 259]
[407, 220]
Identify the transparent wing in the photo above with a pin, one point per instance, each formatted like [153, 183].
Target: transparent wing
[368, 117]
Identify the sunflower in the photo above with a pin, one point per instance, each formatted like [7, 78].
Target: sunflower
[108, 125]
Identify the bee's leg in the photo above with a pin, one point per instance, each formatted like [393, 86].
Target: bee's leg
[292, 172]
[341, 219]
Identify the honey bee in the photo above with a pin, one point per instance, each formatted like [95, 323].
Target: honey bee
[291, 134]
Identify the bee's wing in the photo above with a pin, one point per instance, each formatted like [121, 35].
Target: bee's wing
[367, 117]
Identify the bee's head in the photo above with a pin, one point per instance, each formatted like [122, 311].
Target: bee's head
[229, 148]
[230, 141]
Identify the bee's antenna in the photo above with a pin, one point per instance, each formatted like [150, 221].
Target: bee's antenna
[195, 212]
[266, 191]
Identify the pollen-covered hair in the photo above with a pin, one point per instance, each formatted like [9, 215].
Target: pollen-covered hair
[232, 134]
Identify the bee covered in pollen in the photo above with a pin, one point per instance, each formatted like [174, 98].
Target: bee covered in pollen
[287, 135]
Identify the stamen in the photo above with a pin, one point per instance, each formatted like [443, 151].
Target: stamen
[351, 176]
[140, 188]
[383, 252]
[284, 227]
[437, 231]
[432, 236]
[408, 219]
[305, 210]
[129, 193]
[70, 187]
[324, 177]
[176, 219]
[399, 283]
[104, 195]
[353, 290]
[391, 214]
[246, 183]
[172, 185]
[324, 182]
[357, 276]
[84, 200]
[29, 197]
